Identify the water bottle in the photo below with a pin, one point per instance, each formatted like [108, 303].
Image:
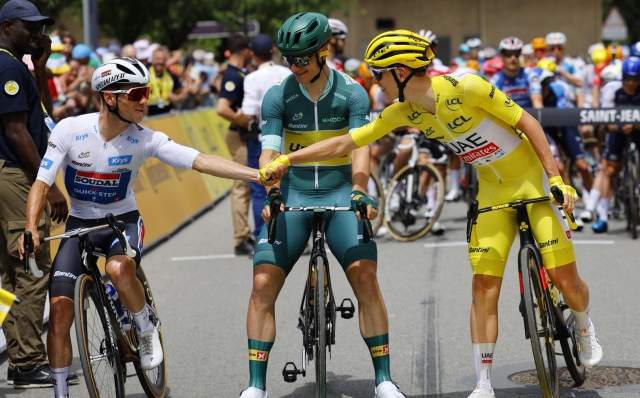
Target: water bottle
[123, 316]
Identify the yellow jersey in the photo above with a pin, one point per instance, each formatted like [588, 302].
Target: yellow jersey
[473, 118]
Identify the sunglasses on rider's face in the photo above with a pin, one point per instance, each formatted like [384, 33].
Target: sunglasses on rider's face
[377, 73]
[556, 47]
[134, 94]
[300, 62]
[509, 54]
[631, 78]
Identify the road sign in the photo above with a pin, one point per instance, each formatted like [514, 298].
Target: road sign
[614, 27]
[213, 29]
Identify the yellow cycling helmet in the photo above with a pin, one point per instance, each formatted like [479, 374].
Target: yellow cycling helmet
[547, 64]
[399, 47]
[364, 71]
[599, 55]
[473, 64]
[539, 43]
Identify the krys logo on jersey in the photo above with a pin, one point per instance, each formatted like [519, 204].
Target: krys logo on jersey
[102, 188]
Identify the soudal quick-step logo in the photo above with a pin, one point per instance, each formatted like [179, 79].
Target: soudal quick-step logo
[120, 160]
[97, 179]
[380, 350]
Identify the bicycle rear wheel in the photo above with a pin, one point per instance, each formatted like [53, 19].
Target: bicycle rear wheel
[570, 347]
[407, 215]
[632, 198]
[375, 192]
[538, 320]
[153, 381]
[99, 353]
[321, 330]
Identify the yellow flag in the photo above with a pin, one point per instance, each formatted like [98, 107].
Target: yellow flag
[6, 301]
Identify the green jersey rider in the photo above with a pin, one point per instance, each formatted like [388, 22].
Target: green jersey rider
[314, 104]
[507, 147]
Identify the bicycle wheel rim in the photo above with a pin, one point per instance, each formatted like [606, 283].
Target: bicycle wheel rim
[153, 381]
[321, 331]
[410, 220]
[537, 317]
[99, 354]
[632, 198]
[570, 353]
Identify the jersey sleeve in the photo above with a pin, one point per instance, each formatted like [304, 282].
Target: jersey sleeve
[359, 107]
[168, 151]
[59, 145]
[251, 100]
[272, 116]
[13, 95]
[388, 120]
[478, 92]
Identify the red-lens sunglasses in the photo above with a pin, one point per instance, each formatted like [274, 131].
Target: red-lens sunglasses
[134, 94]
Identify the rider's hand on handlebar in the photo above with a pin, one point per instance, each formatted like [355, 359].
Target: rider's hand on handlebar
[36, 243]
[275, 170]
[372, 207]
[274, 194]
[568, 191]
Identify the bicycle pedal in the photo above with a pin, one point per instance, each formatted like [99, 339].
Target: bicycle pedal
[346, 311]
[290, 375]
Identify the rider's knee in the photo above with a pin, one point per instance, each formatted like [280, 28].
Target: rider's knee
[485, 285]
[366, 279]
[610, 168]
[59, 322]
[263, 288]
[582, 165]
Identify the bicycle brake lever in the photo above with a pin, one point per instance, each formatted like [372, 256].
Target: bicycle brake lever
[472, 216]
[30, 262]
[367, 231]
[118, 228]
[559, 197]
[275, 209]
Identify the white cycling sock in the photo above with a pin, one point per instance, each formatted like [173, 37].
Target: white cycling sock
[585, 195]
[603, 209]
[594, 196]
[455, 180]
[583, 322]
[483, 354]
[431, 197]
[142, 320]
[59, 378]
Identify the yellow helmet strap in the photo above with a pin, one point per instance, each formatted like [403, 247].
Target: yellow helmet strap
[402, 85]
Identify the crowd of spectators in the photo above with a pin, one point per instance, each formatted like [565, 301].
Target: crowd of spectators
[179, 81]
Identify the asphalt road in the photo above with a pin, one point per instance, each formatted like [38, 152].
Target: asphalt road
[202, 292]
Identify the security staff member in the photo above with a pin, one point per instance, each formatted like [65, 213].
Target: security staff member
[229, 103]
[256, 86]
[23, 143]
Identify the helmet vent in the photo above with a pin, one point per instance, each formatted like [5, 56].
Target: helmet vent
[296, 38]
[124, 69]
[313, 43]
[288, 38]
[312, 26]
[137, 66]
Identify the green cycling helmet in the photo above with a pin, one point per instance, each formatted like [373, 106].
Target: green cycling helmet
[303, 34]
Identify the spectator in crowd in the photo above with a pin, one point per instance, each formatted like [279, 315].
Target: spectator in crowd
[335, 59]
[114, 47]
[23, 142]
[68, 41]
[256, 85]
[229, 103]
[81, 53]
[128, 51]
[166, 90]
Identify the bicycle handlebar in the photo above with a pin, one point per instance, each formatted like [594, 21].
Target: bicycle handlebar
[116, 225]
[275, 209]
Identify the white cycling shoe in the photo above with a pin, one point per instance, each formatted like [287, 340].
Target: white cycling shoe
[579, 223]
[388, 389]
[482, 393]
[586, 216]
[590, 352]
[253, 392]
[453, 195]
[151, 354]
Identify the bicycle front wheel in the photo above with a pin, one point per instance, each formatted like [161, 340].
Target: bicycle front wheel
[408, 214]
[321, 330]
[570, 345]
[153, 381]
[99, 353]
[375, 192]
[632, 198]
[538, 320]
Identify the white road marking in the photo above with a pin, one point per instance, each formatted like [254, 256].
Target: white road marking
[575, 242]
[210, 257]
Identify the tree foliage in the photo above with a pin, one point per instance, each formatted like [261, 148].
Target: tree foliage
[170, 21]
[630, 10]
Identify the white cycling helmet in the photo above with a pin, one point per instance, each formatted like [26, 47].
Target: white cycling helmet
[527, 49]
[611, 72]
[595, 47]
[474, 42]
[119, 71]
[429, 35]
[556, 39]
[338, 28]
[510, 43]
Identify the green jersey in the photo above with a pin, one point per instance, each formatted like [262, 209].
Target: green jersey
[291, 121]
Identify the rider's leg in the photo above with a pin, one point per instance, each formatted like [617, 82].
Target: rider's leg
[609, 170]
[374, 157]
[261, 320]
[402, 158]
[585, 173]
[372, 314]
[121, 271]
[59, 349]
[454, 167]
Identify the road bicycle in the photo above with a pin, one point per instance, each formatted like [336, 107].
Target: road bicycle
[407, 215]
[104, 344]
[627, 188]
[547, 318]
[317, 317]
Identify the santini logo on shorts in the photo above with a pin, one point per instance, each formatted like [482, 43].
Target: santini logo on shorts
[66, 274]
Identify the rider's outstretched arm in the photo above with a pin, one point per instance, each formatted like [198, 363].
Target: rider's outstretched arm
[220, 167]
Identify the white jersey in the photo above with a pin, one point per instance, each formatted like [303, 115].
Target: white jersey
[608, 94]
[99, 175]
